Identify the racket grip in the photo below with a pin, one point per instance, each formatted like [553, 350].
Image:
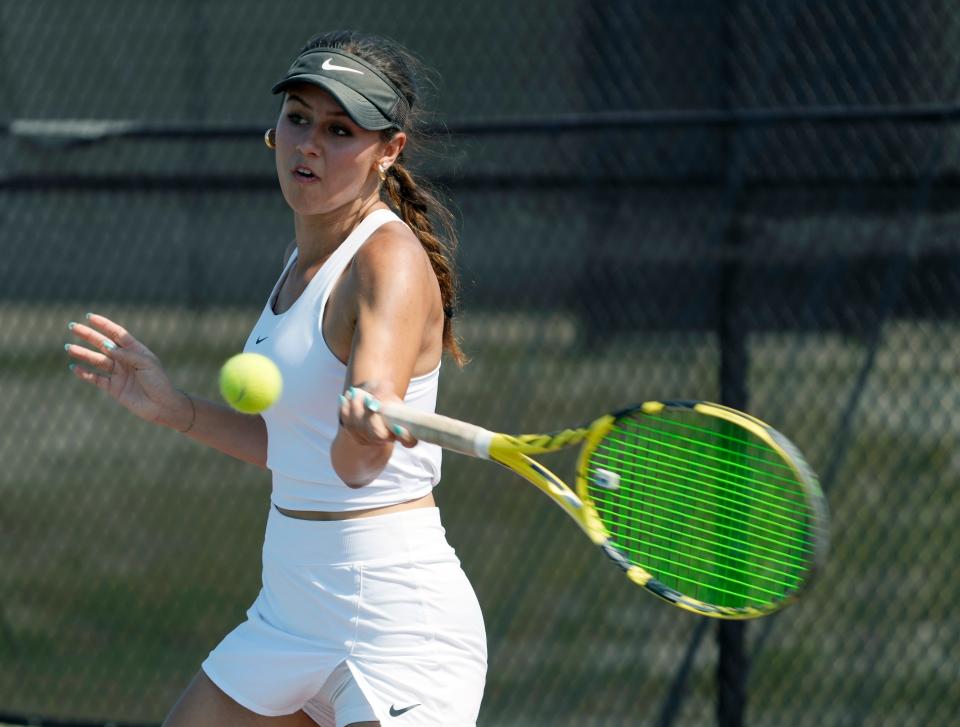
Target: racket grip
[449, 433]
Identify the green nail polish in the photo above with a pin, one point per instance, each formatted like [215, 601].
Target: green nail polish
[71, 325]
[72, 367]
[372, 404]
[351, 392]
[398, 430]
[66, 347]
[109, 345]
[343, 400]
[87, 315]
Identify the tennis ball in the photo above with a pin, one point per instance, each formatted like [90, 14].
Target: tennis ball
[250, 382]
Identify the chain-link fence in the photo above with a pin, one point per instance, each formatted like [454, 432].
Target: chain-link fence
[743, 200]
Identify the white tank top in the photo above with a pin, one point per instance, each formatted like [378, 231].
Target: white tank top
[302, 423]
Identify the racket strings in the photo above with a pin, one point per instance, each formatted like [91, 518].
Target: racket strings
[706, 507]
[665, 425]
[761, 461]
[678, 474]
[680, 470]
[710, 545]
[787, 571]
[674, 515]
[732, 580]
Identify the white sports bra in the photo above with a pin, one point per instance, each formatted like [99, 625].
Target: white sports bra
[302, 423]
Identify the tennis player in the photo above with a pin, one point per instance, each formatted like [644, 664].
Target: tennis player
[365, 616]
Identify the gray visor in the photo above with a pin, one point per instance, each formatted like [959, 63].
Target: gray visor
[365, 94]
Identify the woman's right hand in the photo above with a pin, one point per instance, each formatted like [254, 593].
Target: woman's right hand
[129, 372]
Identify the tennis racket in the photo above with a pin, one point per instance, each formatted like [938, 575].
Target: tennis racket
[704, 506]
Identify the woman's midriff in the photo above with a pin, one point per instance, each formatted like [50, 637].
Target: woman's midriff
[425, 501]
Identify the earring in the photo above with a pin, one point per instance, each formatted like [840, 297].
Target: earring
[382, 171]
[270, 138]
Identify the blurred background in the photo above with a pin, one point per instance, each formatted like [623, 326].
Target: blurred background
[749, 201]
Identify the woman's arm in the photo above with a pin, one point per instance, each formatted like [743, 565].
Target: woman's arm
[397, 304]
[131, 374]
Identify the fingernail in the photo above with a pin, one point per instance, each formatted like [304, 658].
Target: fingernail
[372, 404]
[343, 399]
[87, 315]
[351, 392]
[109, 345]
[66, 347]
[71, 325]
[398, 430]
[72, 367]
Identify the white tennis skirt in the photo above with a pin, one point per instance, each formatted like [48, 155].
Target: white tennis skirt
[383, 597]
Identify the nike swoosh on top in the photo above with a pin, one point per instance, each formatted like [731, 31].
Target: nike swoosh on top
[262, 339]
[328, 66]
[394, 712]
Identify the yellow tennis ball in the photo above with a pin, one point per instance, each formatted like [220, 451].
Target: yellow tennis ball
[250, 382]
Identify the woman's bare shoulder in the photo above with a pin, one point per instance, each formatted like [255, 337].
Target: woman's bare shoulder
[392, 248]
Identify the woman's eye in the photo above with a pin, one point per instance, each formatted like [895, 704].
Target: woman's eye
[296, 119]
[340, 130]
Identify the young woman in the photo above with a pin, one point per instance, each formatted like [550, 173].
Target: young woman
[364, 617]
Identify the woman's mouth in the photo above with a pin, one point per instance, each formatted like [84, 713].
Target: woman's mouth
[305, 175]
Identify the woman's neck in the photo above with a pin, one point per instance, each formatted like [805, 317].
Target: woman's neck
[319, 235]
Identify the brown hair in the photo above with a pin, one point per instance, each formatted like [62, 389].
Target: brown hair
[414, 200]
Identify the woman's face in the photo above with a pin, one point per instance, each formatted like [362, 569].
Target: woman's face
[324, 160]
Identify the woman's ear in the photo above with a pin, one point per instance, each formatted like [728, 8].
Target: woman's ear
[391, 150]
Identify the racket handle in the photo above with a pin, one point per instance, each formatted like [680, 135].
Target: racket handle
[449, 433]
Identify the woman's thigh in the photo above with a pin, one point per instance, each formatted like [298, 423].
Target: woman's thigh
[203, 704]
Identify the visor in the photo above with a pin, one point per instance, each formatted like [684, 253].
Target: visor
[371, 100]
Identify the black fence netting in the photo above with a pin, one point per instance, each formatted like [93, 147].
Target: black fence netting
[748, 201]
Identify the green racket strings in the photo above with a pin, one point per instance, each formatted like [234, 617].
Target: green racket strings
[706, 507]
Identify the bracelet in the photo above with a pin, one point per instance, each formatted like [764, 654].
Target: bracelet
[193, 409]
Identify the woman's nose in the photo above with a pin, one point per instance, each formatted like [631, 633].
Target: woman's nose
[308, 146]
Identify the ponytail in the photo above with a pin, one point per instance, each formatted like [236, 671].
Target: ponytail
[415, 203]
